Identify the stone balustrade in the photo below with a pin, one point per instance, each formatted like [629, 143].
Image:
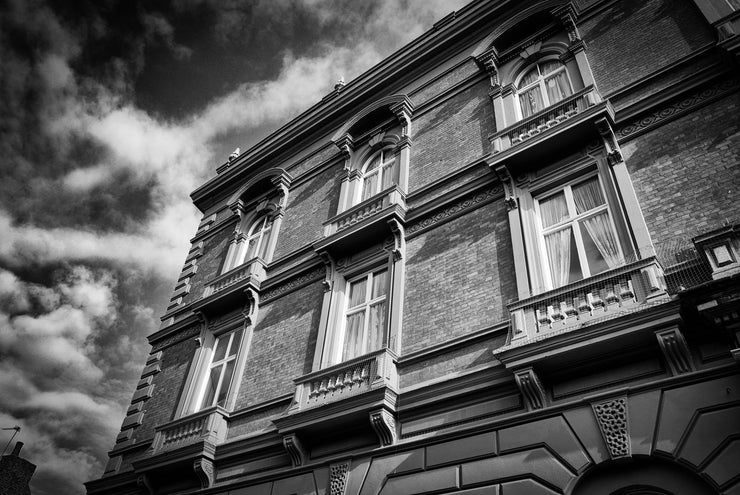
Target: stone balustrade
[366, 209]
[605, 296]
[345, 380]
[253, 268]
[209, 425]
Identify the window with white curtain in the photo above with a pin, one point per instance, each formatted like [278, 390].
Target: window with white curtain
[258, 238]
[220, 375]
[542, 86]
[379, 173]
[578, 234]
[364, 316]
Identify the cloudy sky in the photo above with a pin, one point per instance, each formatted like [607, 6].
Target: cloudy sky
[111, 113]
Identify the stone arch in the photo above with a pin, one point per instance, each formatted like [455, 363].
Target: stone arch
[641, 475]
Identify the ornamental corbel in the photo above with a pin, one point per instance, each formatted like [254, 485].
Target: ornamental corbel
[294, 448]
[613, 153]
[489, 61]
[505, 177]
[327, 283]
[567, 16]
[531, 388]
[384, 425]
[403, 111]
[282, 184]
[675, 350]
[144, 484]
[345, 145]
[238, 208]
[251, 307]
[204, 471]
[398, 248]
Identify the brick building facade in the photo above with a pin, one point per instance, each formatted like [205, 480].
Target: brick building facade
[503, 261]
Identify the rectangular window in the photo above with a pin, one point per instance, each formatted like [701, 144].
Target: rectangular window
[220, 374]
[363, 319]
[578, 234]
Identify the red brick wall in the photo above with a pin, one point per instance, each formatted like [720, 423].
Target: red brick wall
[168, 384]
[687, 174]
[283, 345]
[450, 136]
[633, 38]
[310, 204]
[458, 278]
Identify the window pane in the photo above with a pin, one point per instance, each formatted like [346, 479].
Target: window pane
[557, 87]
[531, 101]
[264, 243]
[370, 185]
[379, 283]
[374, 163]
[353, 335]
[235, 342]
[220, 351]
[357, 292]
[562, 254]
[224, 390]
[390, 173]
[553, 209]
[600, 243]
[587, 195]
[376, 327]
[529, 78]
[548, 67]
[210, 391]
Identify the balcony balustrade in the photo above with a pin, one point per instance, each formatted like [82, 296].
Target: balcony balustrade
[254, 269]
[615, 293]
[365, 210]
[544, 120]
[345, 380]
[207, 425]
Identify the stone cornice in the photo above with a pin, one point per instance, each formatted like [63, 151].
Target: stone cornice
[391, 72]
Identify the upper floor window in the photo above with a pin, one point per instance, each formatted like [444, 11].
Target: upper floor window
[578, 233]
[220, 375]
[365, 315]
[380, 172]
[543, 85]
[258, 238]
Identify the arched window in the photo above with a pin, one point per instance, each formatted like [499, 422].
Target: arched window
[543, 85]
[380, 172]
[258, 238]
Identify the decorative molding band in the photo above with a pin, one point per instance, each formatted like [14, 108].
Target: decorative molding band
[677, 109]
[531, 388]
[189, 332]
[675, 350]
[468, 203]
[294, 448]
[384, 425]
[294, 283]
[613, 423]
[204, 471]
[338, 476]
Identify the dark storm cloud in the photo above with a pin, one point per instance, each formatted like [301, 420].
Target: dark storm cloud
[112, 111]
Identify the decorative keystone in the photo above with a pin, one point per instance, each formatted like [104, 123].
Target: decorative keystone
[613, 423]
[675, 350]
[384, 425]
[531, 388]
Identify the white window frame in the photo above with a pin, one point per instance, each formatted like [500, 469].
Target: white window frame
[261, 230]
[388, 164]
[540, 83]
[364, 307]
[573, 222]
[199, 396]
